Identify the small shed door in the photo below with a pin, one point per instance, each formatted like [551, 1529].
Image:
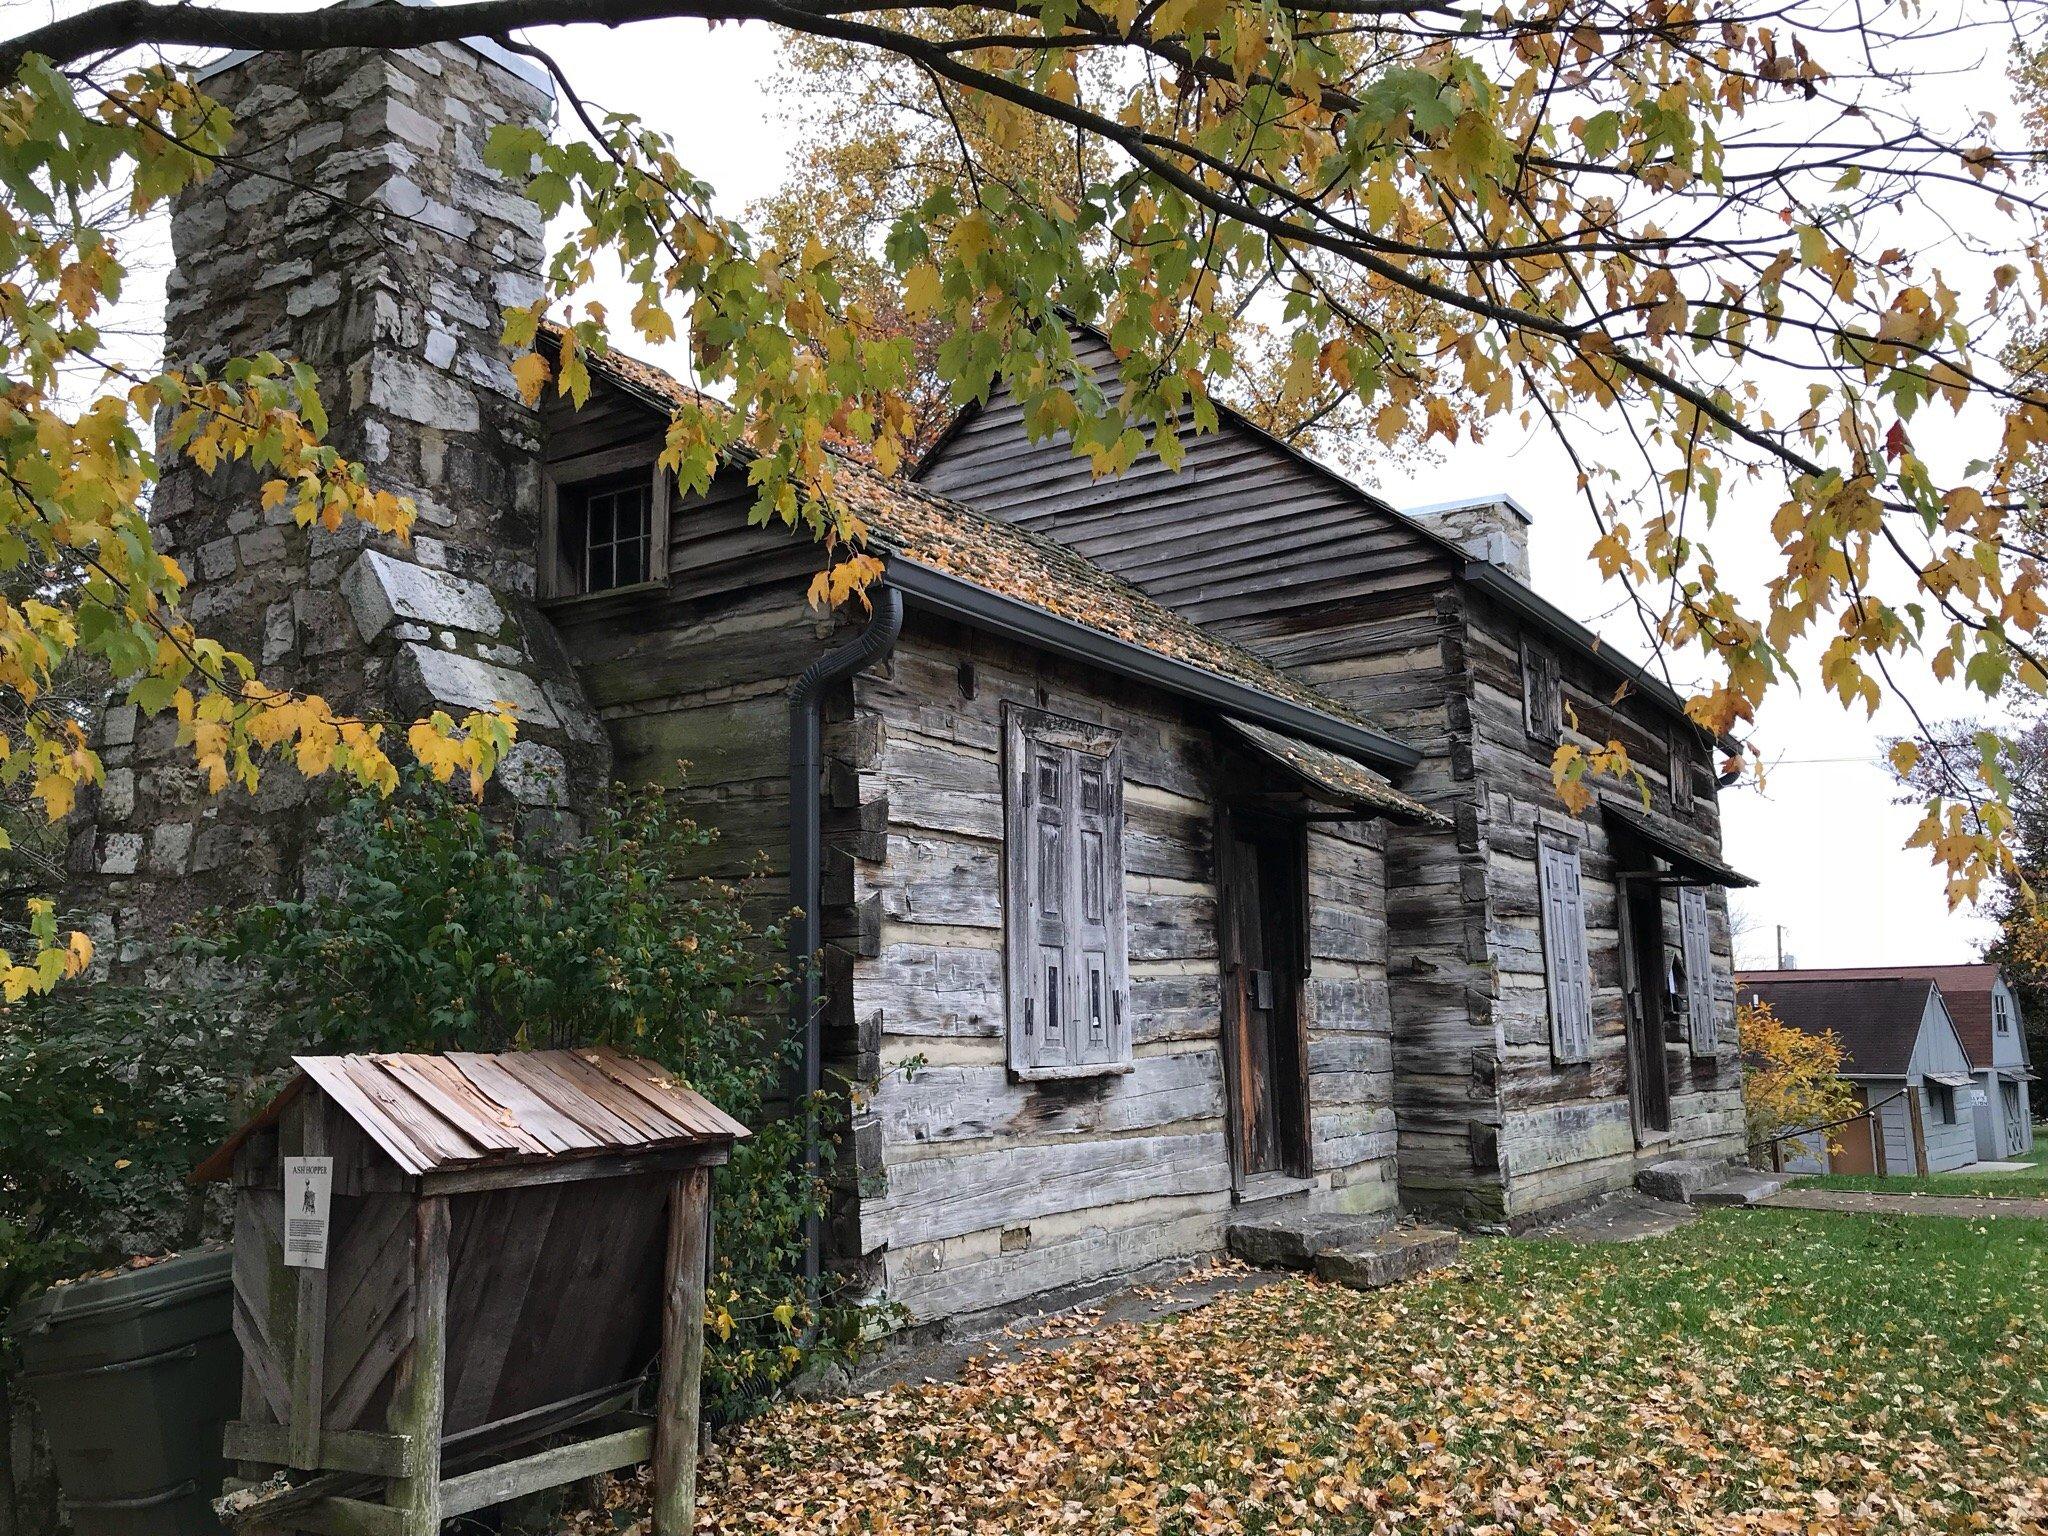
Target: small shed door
[2015, 1105]
[1856, 1151]
[1261, 871]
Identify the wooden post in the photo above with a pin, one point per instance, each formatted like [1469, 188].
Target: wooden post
[682, 1353]
[416, 1405]
[307, 1123]
[1919, 1128]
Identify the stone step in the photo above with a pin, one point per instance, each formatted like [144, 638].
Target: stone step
[1290, 1236]
[1680, 1178]
[1394, 1256]
[1743, 1188]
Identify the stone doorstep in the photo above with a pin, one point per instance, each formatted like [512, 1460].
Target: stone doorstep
[1390, 1258]
[1743, 1187]
[1364, 1252]
[1703, 1181]
[1290, 1237]
[1680, 1178]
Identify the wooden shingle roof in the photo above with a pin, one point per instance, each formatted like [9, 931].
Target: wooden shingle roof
[907, 522]
[470, 1109]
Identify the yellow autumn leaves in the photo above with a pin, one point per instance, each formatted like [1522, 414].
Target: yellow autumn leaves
[88, 577]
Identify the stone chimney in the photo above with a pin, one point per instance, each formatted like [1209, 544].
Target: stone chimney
[1490, 528]
[357, 228]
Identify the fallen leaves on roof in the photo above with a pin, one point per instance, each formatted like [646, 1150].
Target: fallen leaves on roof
[914, 524]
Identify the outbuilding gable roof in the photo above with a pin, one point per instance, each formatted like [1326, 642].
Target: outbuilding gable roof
[1966, 989]
[469, 1109]
[1877, 1018]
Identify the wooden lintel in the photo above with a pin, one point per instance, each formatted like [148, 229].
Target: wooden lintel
[545, 1469]
[346, 1517]
[463, 1181]
[344, 1450]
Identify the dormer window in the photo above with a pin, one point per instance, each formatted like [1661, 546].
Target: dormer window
[604, 532]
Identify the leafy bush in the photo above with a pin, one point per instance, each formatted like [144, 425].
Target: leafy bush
[1791, 1080]
[441, 931]
[108, 1096]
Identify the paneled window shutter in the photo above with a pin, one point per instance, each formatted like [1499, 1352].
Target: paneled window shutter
[1065, 952]
[1567, 973]
[1542, 694]
[1699, 967]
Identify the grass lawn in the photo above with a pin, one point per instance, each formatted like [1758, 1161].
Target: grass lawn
[1760, 1371]
[2032, 1185]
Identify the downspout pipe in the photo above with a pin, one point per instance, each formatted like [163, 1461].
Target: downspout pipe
[806, 869]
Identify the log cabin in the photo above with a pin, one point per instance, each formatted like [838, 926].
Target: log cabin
[1099, 896]
[1162, 846]
[1562, 985]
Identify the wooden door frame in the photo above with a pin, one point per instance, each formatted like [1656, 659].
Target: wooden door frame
[1636, 999]
[1299, 1159]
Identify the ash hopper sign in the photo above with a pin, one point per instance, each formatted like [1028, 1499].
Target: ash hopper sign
[308, 1182]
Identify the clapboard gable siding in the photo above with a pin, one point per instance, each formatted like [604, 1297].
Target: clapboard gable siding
[1244, 531]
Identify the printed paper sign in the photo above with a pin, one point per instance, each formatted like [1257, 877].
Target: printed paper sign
[308, 1181]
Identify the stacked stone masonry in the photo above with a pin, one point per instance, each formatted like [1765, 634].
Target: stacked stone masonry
[355, 227]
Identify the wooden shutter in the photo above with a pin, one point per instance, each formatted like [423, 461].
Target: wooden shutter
[1064, 896]
[1699, 967]
[1565, 966]
[1681, 774]
[1542, 694]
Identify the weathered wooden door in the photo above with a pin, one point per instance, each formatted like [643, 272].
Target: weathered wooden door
[1264, 945]
[1642, 957]
[2015, 1117]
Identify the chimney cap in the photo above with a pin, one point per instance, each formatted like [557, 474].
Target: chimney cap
[1499, 499]
[521, 68]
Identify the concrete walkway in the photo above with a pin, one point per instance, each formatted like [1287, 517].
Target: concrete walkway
[1866, 1203]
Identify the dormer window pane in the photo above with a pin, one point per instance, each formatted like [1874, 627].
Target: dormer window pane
[607, 533]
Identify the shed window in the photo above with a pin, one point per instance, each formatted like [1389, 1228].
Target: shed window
[2001, 1011]
[1565, 967]
[1698, 951]
[1063, 896]
[605, 532]
[1943, 1098]
[1542, 694]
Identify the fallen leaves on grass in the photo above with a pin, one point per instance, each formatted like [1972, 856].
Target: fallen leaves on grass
[1761, 1372]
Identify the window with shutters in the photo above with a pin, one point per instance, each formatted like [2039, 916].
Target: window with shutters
[1565, 967]
[1063, 890]
[1698, 950]
[1542, 694]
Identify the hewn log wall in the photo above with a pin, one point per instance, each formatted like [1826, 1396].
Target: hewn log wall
[1568, 1131]
[977, 1190]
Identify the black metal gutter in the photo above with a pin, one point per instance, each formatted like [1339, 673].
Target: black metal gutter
[1510, 593]
[806, 868]
[1007, 616]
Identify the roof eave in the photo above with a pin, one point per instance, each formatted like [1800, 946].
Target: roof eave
[1525, 601]
[991, 611]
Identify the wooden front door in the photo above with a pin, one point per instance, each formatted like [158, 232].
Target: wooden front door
[2015, 1106]
[1262, 919]
[1642, 960]
[1856, 1149]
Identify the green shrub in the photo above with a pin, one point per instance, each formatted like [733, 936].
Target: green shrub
[442, 931]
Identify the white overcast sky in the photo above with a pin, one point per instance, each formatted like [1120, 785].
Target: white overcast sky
[1821, 834]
